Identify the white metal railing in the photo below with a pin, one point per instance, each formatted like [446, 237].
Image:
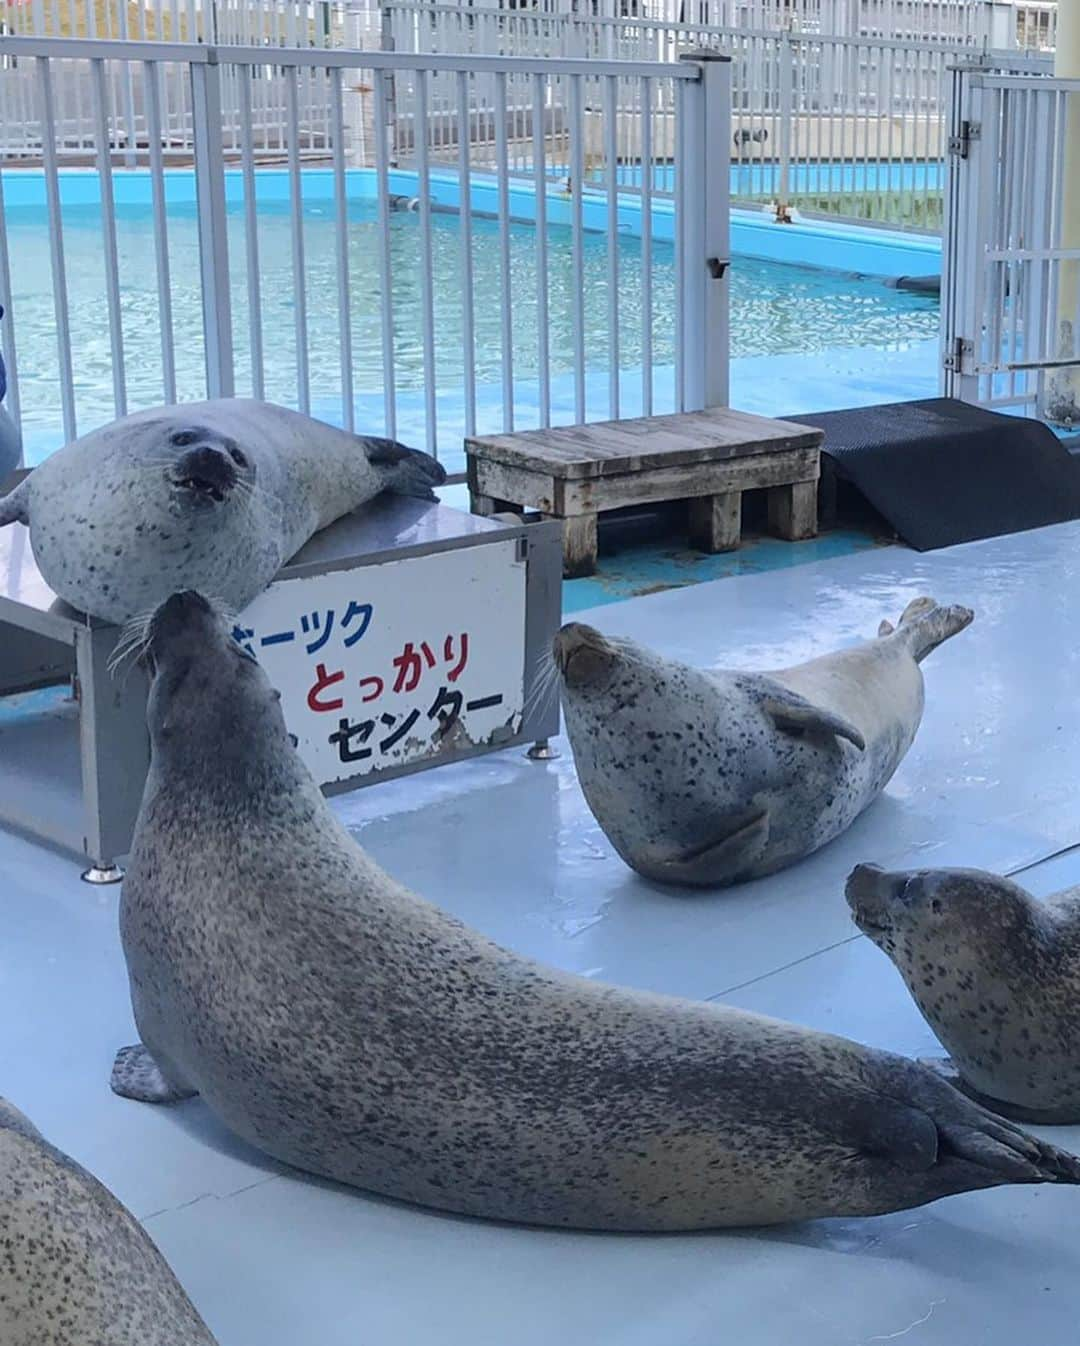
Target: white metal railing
[1011, 283]
[565, 293]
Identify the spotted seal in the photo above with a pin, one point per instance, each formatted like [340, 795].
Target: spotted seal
[706, 778]
[214, 494]
[349, 1028]
[76, 1268]
[996, 975]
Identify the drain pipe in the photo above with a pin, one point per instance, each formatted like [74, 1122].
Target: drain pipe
[1063, 393]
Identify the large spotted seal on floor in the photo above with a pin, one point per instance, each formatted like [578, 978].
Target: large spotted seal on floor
[996, 975]
[76, 1269]
[706, 778]
[347, 1027]
[214, 495]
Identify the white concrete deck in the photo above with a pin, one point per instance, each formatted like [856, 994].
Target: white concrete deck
[274, 1259]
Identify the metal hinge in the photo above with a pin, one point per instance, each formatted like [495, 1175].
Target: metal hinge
[717, 267]
[957, 355]
[960, 144]
[522, 551]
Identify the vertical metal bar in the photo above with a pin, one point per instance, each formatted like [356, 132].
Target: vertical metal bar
[213, 238]
[427, 298]
[386, 292]
[296, 204]
[465, 244]
[681, 195]
[56, 247]
[647, 187]
[7, 322]
[251, 238]
[543, 338]
[502, 170]
[577, 264]
[152, 77]
[611, 156]
[108, 230]
[341, 203]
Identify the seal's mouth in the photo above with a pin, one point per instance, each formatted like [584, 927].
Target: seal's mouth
[200, 486]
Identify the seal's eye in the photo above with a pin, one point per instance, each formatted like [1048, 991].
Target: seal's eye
[935, 907]
[183, 438]
[237, 457]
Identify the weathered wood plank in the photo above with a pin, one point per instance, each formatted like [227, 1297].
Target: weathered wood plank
[615, 447]
[579, 546]
[793, 511]
[716, 522]
[533, 490]
[685, 482]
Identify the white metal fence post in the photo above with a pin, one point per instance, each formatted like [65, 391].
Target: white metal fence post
[213, 239]
[785, 52]
[964, 241]
[704, 197]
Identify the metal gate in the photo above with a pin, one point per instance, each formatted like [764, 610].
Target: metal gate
[1011, 248]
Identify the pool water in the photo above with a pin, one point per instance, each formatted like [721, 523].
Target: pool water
[775, 309]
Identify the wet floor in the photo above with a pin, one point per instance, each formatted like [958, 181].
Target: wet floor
[274, 1259]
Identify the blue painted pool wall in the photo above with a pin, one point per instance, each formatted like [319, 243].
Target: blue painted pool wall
[833, 246]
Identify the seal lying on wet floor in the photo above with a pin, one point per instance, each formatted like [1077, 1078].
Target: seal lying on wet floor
[706, 778]
[77, 1269]
[214, 495]
[345, 1026]
[996, 975]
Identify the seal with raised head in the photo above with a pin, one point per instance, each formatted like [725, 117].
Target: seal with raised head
[76, 1268]
[345, 1026]
[213, 495]
[996, 975]
[705, 778]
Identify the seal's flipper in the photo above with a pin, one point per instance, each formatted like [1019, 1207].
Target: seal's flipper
[793, 714]
[720, 860]
[138, 1076]
[15, 506]
[924, 625]
[947, 1070]
[408, 471]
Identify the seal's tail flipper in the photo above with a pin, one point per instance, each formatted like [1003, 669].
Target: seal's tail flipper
[14, 507]
[920, 1124]
[925, 625]
[722, 859]
[138, 1076]
[408, 471]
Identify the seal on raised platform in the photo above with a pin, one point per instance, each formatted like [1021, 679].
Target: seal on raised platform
[214, 495]
[345, 1026]
[996, 975]
[706, 778]
[77, 1268]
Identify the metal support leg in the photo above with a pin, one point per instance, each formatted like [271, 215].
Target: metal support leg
[114, 750]
[542, 751]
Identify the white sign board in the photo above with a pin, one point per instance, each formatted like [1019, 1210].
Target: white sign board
[395, 663]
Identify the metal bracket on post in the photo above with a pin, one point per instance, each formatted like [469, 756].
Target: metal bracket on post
[213, 238]
[707, 232]
[960, 144]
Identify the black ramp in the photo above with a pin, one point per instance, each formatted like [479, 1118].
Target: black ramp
[941, 471]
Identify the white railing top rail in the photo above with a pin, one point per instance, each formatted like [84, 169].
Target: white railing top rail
[685, 27]
[328, 58]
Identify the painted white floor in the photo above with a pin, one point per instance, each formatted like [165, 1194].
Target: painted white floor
[273, 1259]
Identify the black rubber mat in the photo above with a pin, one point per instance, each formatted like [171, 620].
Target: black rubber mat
[941, 471]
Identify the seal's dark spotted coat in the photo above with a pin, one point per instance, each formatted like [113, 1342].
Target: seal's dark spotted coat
[347, 1027]
[996, 975]
[707, 778]
[76, 1269]
[216, 495]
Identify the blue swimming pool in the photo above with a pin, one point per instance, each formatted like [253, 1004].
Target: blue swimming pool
[776, 309]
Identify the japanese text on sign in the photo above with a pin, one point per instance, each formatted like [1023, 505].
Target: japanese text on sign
[388, 664]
